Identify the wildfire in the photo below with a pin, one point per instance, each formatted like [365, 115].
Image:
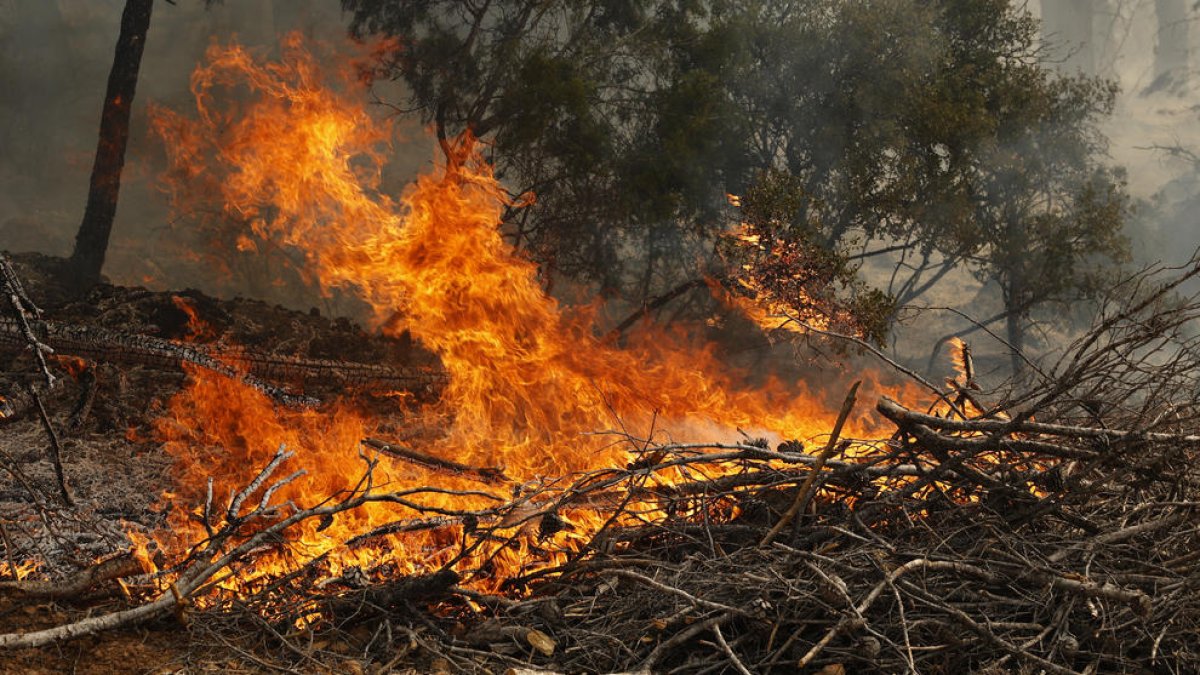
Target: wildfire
[300, 160]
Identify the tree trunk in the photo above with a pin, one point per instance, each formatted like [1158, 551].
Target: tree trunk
[1016, 338]
[1015, 288]
[91, 243]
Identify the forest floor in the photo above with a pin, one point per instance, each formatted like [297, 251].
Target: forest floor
[979, 543]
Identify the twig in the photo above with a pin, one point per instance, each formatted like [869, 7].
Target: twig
[805, 491]
[54, 450]
[491, 475]
[898, 413]
[647, 664]
[25, 311]
[733, 658]
[699, 602]
[916, 377]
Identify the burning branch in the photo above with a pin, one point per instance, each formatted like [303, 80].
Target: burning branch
[491, 475]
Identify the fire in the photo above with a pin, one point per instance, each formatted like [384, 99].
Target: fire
[72, 364]
[197, 328]
[18, 571]
[300, 160]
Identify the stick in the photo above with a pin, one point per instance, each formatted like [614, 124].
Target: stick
[699, 602]
[805, 491]
[733, 658]
[490, 475]
[114, 568]
[24, 310]
[88, 381]
[54, 451]
[898, 413]
[679, 638]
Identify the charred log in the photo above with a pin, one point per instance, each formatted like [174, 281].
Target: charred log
[257, 369]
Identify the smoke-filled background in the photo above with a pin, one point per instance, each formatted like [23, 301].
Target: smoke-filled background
[55, 56]
[1152, 49]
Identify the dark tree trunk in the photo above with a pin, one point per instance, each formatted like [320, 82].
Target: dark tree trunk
[1016, 304]
[91, 243]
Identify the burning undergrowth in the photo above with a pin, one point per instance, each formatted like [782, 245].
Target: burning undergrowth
[528, 385]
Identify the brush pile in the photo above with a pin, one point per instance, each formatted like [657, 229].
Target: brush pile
[1050, 527]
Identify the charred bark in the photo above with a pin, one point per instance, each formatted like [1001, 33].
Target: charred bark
[91, 242]
[259, 370]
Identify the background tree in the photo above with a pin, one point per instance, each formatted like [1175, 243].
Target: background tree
[91, 242]
[1048, 216]
[599, 107]
[929, 131]
[934, 132]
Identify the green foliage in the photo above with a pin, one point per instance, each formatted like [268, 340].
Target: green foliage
[594, 106]
[847, 124]
[779, 260]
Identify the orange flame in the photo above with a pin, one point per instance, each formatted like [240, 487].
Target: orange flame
[197, 328]
[528, 379]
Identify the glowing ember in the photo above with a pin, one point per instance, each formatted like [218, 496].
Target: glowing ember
[300, 160]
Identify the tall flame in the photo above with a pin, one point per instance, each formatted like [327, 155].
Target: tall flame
[301, 160]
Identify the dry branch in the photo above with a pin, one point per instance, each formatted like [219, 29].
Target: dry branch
[490, 475]
[119, 567]
[903, 416]
[805, 491]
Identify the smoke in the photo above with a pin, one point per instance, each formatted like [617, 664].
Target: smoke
[55, 56]
[1150, 48]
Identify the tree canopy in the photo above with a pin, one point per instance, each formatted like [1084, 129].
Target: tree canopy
[927, 130]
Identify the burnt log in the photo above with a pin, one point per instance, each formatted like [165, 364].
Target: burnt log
[257, 369]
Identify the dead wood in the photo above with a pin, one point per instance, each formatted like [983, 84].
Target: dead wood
[806, 490]
[88, 384]
[15, 404]
[955, 545]
[54, 449]
[119, 567]
[256, 369]
[24, 313]
[904, 416]
[491, 475]
[391, 595]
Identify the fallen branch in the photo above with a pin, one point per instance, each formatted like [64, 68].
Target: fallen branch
[258, 370]
[119, 567]
[491, 475]
[805, 491]
[904, 416]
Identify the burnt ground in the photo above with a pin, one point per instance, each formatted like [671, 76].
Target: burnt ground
[114, 466]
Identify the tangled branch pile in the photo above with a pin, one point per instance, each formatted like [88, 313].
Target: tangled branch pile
[1052, 532]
